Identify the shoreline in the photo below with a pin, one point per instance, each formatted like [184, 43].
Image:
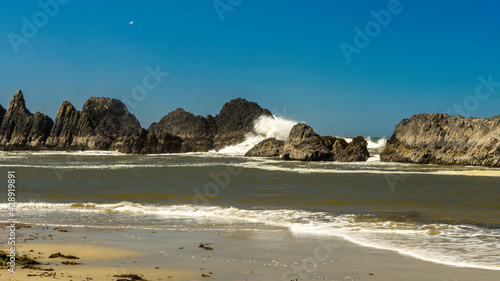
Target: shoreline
[236, 254]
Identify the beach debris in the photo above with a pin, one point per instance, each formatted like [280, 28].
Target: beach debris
[20, 260]
[128, 277]
[204, 246]
[70, 263]
[59, 255]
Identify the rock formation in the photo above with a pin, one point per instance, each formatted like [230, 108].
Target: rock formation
[103, 124]
[65, 127]
[444, 139]
[267, 148]
[21, 128]
[196, 132]
[304, 144]
[106, 124]
[235, 119]
[355, 151]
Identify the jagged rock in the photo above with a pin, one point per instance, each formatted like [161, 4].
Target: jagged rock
[304, 144]
[330, 141]
[131, 141]
[444, 139]
[195, 131]
[235, 120]
[101, 122]
[65, 127]
[21, 129]
[2, 113]
[355, 151]
[159, 140]
[106, 124]
[267, 148]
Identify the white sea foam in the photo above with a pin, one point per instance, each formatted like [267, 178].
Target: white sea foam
[264, 127]
[439, 243]
[380, 143]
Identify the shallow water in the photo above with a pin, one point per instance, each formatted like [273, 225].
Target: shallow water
[430, 212]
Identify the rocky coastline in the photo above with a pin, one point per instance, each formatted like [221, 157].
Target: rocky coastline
[106, 124]
[446, 140]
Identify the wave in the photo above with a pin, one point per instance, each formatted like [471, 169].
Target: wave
[444, 243]
[380, 143]
[264, 127]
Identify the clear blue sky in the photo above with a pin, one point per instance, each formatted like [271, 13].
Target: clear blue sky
[284, 55]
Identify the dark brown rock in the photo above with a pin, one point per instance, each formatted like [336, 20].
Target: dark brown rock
[195, 131]
[355, 151]
[65, 127]
[304, 144]
[101, 122]
[267, 148]
[21, 129]
[159, 140]
[235, 120]
[444, 139]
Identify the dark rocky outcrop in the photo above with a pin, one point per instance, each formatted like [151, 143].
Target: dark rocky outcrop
[103, 124]
[355, 151]
[444, 139]
[21, 129]
[267, 148]
[102, 121]
[304, 144]
[159, 140]
[65, 127]
[236, 119]
[229, 127]
[196, 131]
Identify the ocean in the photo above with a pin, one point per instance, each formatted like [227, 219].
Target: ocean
[436, 213]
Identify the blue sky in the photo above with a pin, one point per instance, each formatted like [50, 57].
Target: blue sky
[284, 55]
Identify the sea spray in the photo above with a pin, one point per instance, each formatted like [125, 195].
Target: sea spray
[264, 127]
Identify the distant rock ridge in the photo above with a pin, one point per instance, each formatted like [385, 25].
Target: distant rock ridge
[445, 139]
[106, 124]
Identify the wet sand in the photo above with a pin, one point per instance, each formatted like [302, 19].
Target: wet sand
[227, 254]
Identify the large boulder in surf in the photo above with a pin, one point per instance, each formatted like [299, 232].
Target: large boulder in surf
[270, 147]
[197, 132]
[235, 120]
[304, 144]
[355, 151]
[445, 139]
[21, 129]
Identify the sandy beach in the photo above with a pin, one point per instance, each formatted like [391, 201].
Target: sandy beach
[238, 254]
